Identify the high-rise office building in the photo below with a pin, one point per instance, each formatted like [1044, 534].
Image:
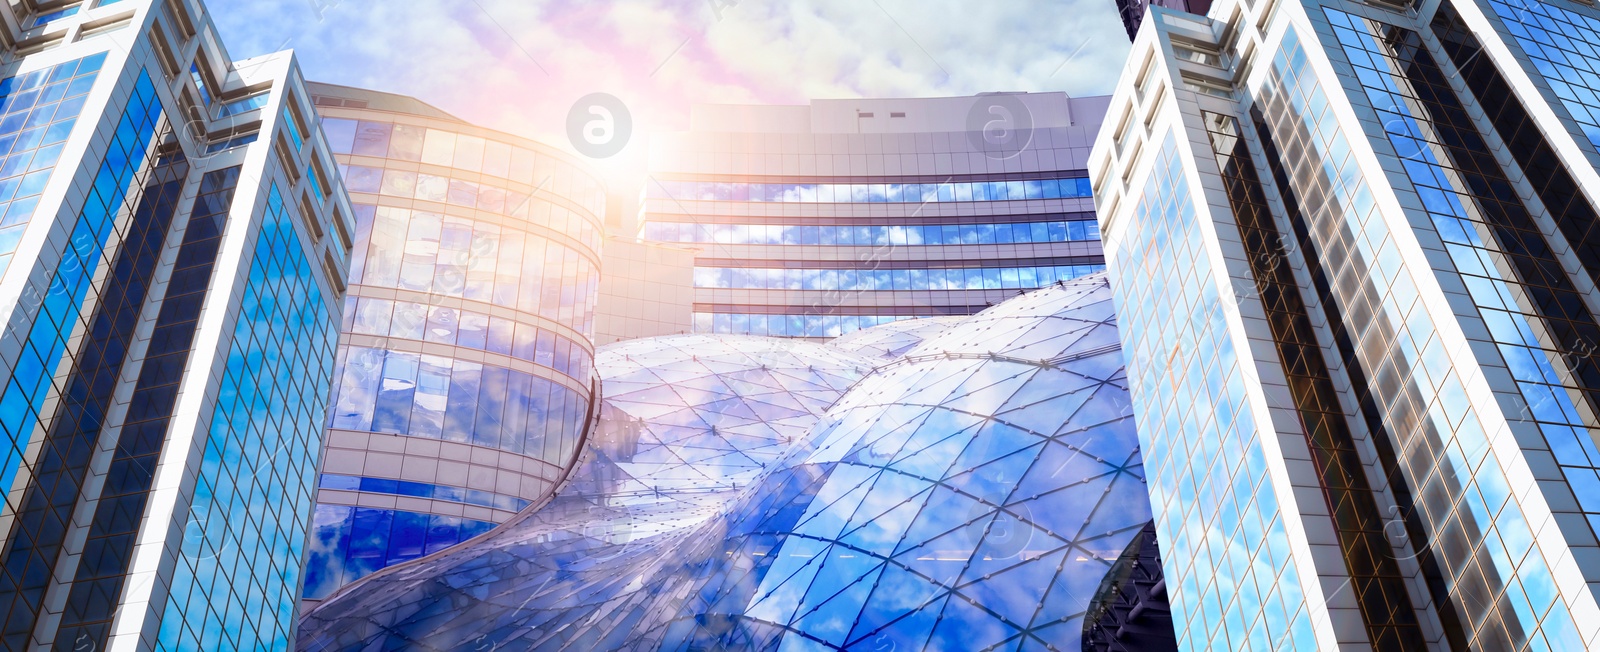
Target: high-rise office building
[464, 382]
[1355, 251]
[172, 256]
[817, 220]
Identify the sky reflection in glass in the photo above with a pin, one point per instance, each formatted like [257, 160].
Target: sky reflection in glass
[968, 494]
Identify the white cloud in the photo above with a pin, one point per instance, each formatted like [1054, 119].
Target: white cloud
[460, 58]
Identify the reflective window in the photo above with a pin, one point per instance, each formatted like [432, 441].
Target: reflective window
[423, 490]
[52, 16]
[37, 112]
[49, 315]
[238, 141]
[1561, 44]
[379, 390]
[969, 278]
[1388, 612]
[141, 191]
[349, 543]
[502, 277]
[445, 325]
[292, 127]
[875, 235]
[1209, 484]
[459, 257]
[472, 194]
[145, 427]
[254, 487]
[1535, 318]
[245, 105]
[467, 153]
[1417, 391]
[200, 82]
[875, 193]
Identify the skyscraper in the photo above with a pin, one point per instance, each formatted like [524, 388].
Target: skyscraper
[817, 220]
[1356, 261]
[172, 256]
[464, 381]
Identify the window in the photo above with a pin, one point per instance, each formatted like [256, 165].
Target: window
[200, 82]
[52, 16]
[247, 104]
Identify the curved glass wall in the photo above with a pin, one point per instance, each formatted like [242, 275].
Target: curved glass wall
[969, 494]
[532, 271]
[460, 151]
[465, 374]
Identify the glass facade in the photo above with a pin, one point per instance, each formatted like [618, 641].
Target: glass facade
[348, 543]
[870, 193]
[1234, 583]
[532, 271]
[253, 496]
[54, 479]
[866, 280]
[464, 385]
[1560, 43]
[1375, 575]
[1400, 233]
[843, 223]
[40, 109]
[875, 235]
[763, 494]
[140, 443]
[789, 325]
[524, 166]
[688, 423]
[1434, 424]
[24, 393]
[438, 397]
[167, 351]
[1534, 318]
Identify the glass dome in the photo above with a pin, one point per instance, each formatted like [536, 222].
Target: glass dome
[970, 494]
[894, 338]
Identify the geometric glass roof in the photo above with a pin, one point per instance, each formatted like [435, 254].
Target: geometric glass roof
[894, 338]
[752, 493]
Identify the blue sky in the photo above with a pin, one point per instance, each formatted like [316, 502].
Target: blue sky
[518, 65]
